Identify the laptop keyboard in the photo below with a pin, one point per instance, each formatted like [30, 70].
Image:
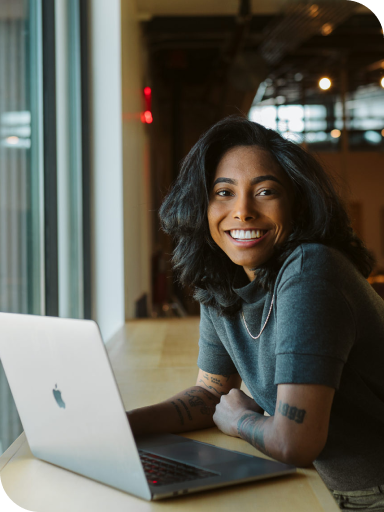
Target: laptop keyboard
[163, 471]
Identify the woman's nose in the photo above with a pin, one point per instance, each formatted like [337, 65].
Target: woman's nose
[244, 209]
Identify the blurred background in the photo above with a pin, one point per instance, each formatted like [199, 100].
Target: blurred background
[101, 99]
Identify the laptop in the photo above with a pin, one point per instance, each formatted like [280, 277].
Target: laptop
[73, 416]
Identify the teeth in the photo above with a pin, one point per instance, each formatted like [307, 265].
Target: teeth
[240, 234]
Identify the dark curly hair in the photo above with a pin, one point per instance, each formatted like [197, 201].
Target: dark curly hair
[319, 214]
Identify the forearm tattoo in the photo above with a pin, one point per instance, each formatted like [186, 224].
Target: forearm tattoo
[196, 400]
[178, 412]
[251, 427]
[292, 413]
[185, 408]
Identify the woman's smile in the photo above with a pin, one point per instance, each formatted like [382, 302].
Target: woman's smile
[247, 237]
[250, 207]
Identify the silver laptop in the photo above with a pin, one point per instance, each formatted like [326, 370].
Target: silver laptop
[73, 416]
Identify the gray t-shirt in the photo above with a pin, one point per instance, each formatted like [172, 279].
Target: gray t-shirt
[326, 327]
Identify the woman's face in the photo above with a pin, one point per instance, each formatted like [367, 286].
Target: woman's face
[250, 206]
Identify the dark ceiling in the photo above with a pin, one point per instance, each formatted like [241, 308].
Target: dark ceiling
[212, 54]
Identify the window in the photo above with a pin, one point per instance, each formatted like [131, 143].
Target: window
[21, 172]
[321, 125]
[44, 200]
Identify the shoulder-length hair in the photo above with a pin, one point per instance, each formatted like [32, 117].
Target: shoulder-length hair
[319, 215]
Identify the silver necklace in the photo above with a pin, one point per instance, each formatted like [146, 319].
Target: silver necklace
[265, 323]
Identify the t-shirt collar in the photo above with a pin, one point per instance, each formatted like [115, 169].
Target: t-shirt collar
[250, 292]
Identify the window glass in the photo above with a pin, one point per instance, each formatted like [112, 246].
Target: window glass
[320, 126]
[21, 235]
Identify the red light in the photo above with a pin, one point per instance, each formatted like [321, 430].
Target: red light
[147, 91]
[146, 117]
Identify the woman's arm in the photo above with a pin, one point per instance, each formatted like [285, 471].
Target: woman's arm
[298, 431]
[190, 409]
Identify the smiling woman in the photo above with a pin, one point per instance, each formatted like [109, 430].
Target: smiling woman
[249, 211]
[265, 241]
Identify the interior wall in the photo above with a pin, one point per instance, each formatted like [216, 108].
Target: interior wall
[107, 168]
[136, 191]
[364, 173]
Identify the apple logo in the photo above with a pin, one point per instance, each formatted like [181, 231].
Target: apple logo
[57, 395]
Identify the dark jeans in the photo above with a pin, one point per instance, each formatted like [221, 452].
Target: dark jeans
[366, 500]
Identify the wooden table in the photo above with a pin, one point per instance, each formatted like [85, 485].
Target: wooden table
[152, 359]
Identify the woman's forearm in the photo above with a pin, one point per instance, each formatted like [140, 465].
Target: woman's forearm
[190, 409]
[256, 429]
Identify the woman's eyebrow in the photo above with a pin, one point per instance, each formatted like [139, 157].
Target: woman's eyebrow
[254, 181]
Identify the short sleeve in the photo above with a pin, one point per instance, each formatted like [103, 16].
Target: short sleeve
[315, 332]
[213, 356]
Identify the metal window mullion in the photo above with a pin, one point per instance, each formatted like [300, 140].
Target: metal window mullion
[50, 163]
[85, 156]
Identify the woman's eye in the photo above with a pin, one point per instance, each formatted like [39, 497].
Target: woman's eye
[223, 193]
[265, 192]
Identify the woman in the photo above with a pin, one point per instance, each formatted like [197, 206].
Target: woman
[265, 241]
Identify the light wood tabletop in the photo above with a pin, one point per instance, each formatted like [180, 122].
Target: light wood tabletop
[153, 359]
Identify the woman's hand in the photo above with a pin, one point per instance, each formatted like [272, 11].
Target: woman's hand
[230, 409]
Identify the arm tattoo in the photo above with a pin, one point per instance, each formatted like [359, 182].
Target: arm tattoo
[178, 412]
[216, 381]
[207, 394]
[185, 408]
[207, 410]
[197, 401]
[292, 413]
[251, 428]
[211, 387]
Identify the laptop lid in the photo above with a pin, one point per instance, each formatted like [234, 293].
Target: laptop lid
[65, 391]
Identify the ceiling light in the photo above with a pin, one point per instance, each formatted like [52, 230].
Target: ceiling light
[382, 82]
[325, 83]
[314, 10]
[335, 134]
[326, 29]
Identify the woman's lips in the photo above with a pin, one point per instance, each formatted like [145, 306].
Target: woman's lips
[246, 243]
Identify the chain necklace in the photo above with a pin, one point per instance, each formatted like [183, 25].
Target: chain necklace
[265, 323]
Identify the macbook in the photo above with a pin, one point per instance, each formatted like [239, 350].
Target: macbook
[73, 416]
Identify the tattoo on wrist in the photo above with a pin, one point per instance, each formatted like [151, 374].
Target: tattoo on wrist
[185, 408]
[178, 412]
[292, 413]
[251, 428]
